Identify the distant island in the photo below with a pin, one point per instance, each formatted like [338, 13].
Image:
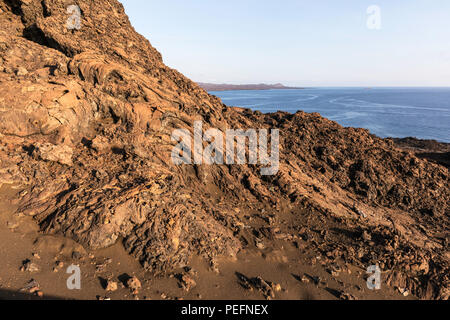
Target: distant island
[230, 87]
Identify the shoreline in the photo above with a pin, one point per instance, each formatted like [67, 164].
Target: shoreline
[256, 89]
[244, 87]
[416, 143]
[432, 150]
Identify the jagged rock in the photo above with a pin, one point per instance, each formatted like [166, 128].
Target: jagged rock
[186, 282]
[87, 130]
[12, 224]
[134, 284]
[266, 288]
[346, 296]
[334, 270]
[21, 71]
[29, 266]
[111, 286]
[62, 154]
[100, 143]
[32, 287]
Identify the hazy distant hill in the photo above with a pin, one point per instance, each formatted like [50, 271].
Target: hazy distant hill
[227, 87]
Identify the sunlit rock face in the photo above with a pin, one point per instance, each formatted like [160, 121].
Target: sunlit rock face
[87, 113]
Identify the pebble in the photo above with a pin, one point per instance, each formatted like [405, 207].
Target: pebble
[134, 284]
[12, 225]
[403, 291]
[187, 283]
[21, 71]
[111, 286]
[31, 287]
[347, 296]
[76, 255]
[305, 279]
[29, 266]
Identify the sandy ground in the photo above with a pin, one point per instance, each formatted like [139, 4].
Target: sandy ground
[278, 262]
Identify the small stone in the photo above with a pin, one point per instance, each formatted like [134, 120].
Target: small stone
[29, 266]
[305, 279]
[317, 280]
[403, 291]
[277, 287]
[366, 236]
[21, 71]
[12, 225]
[334, 270]
[186, 282]
[55, 153]
[134, 283]
[214, 267]
[100, 143]
[31, 287]
[76, 255]
[111, 286]
[346, 296]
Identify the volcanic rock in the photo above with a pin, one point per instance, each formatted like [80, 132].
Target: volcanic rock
[86, 133]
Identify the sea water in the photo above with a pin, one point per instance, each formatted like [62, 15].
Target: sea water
[423, 113]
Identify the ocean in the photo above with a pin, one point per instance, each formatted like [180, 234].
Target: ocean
[423, 113]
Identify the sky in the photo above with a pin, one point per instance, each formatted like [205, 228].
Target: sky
[301, 42]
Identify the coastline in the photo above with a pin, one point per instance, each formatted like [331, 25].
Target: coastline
[432, 150]
[245, 87]
[88, 180]
[396, 114]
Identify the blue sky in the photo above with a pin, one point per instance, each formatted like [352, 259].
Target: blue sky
[300, 42]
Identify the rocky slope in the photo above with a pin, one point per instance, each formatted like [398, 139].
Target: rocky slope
[86, 118]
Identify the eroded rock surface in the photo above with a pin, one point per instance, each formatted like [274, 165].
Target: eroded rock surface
[86, 118]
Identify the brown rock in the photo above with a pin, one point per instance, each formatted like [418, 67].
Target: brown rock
[112, 286]
[112, 104]
[21, 71]
[134, 284]
[187, 283]
[61, 154]
[31, 267]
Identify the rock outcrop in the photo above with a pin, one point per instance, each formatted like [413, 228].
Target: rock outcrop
[86, 118]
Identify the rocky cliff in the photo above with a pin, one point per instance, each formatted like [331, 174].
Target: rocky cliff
[86, 118]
